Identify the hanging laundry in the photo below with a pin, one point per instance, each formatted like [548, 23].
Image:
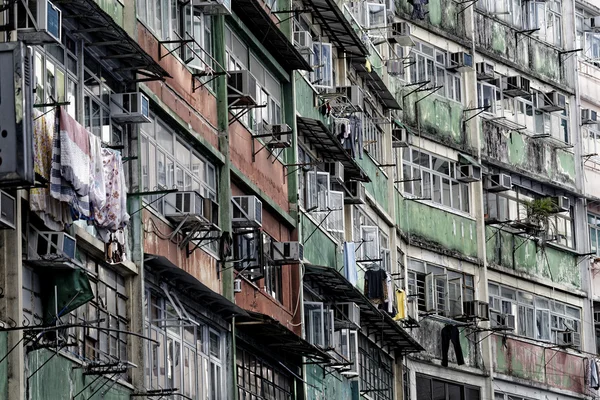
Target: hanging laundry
[97, 185]
[390, 293]
[115, 247]
[401, 304]
[450, 334]
[350, 271]
[594, 377]
[376, 285]
[113, 215]
[368, 66]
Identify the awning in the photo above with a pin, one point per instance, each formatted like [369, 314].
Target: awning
[336, 27]
[272, 334]
[375, 83]
[111, 44]
[264, 28]
[329, 147]
[467, 159]
[192, 287]
[335, 287]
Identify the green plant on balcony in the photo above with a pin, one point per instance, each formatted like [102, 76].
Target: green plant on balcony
[538, 214]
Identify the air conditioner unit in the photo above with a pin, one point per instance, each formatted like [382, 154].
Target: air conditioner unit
[303, 40]
[476, 309]
[130, 108]
[395, 67]
[7, 211]
[355, 194]
[213, 7]
[38, 22]
[562, 203]
[351, 311]
[460, 61]
[354, 94]
[336, 170]
[596, 317]
[594, 22]
[237, 285]
[485, 71]
[279, 140]
[50, 245]
[469, 173]
[241, 89]
[500, 320]
[569, 338]
[247, 212]
[589, 116]
[401, 34]
[287, 252]
[516, 86]
[182, 206]
[551, 102]
[399, 138]
[16, 142]
[498, 183]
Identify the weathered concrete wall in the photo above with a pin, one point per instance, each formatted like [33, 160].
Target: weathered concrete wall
[436, 116]
[443, 15]
[526, 257]
[429, 335]
[60, 379]
[437, 229]
[319, 249]
[326, 387]
[535, 363]
[305, 100]
[378, 187]
[3, 366]
[532, 157]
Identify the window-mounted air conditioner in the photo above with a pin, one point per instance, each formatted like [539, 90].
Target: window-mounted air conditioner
[395, 67]
[130, 108]
[550, 102]
[476, 309]
[287, 252]
[181, 206]
[354, 94]
[336, 170]
[469, 173]
[485, 71]
[460, 61]
[569, 338]
[355, 194]
[589, 116]
[303, 40]
[241, 89]
[281, 136]
[16, 142]
[7, 211]
[401, 34]
[237, 285]
[498, 183]
[247, 212]
[213, 7]
[50, 245]
[351, 312]
[516, 86]
[561, 203]
[38, 22]
[399, 138]
[500, 320]
[594, 22]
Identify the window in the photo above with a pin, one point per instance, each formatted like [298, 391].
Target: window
[429, 388]
[509, 206]
[429, 64]
[269, 95]
[591, 141]
[535, 317]
[488, 95]
[586, 38]
[376, 374]
[509, 11]
[189, 354]
[108, 309]
[346, 350]
[273, 273]
[505, 396]
[322, 76]
[594, 225]
[373, 137]
[433, 178]
[259, 379]
[439, 290]
[524, 111]
[372, 243]
[545, 16]
[318, 324]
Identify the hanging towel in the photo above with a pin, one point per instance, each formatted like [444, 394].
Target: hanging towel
[401, 304]
[390, 294]
[350, 270]
[97, 185]
[594, 378]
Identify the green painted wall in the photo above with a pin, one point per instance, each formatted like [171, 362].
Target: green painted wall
[429, 336]
[378, 187]
[437, 228]
[532, 156]
[326, 387]
[435, 115]
[60, 379]
[443, 14]
[550, 263]
[305, 100]
[319, 249]
[113, 8]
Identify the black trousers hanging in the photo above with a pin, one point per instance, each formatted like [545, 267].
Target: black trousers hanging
[450, 333]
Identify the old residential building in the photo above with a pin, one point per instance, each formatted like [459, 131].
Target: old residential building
[299, 199]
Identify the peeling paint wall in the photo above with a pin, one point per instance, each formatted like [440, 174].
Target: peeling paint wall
[525, 256]
[319, 249]
[528, 361]
[435, 116]
[378, 187]
[61, 379]
[305, 100]
[533, 157]
[436, 228]
[443, 14]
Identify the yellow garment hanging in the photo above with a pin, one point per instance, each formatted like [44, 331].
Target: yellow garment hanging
[401, 303]
[368, 66]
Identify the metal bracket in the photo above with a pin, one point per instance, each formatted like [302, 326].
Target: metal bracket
[481, 110]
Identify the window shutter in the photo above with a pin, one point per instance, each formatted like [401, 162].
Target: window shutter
[335, 221]
[370, 246]
[430, 304]
[455, 303]
[441, 294]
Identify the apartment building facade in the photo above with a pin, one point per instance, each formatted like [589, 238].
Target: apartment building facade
[299, 199]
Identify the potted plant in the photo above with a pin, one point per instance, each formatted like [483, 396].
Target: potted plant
[538, 213]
